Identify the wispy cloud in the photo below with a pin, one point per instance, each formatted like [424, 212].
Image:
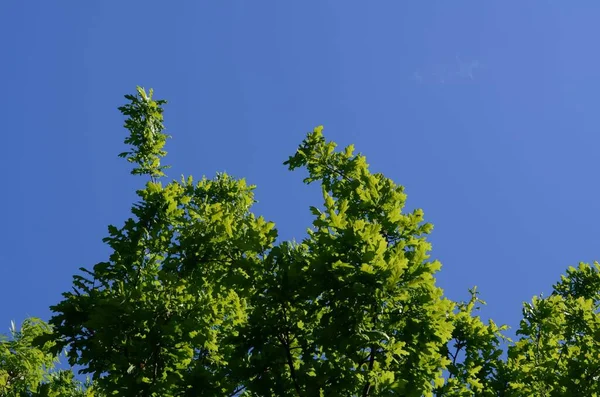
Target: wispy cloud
[466, 68]
[452, 72]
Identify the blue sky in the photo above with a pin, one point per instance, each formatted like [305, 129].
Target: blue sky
[485, 111]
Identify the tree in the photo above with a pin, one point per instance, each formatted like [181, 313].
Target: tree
[199, 299]
[28, 371]
[559, 350]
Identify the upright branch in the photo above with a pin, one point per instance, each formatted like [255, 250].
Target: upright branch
[145, 124]
[286, 343]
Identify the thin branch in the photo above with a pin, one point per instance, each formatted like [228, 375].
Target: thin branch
[284, 339]
[367, 387]
[373, 348]
[454, 356]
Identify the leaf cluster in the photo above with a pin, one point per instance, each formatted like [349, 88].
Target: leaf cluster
[27, 370]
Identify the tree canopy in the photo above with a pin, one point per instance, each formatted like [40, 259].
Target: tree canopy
[198, 298]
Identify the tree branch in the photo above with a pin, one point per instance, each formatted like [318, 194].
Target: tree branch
[285, 341]
[373, 348]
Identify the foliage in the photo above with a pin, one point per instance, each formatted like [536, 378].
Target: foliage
[353, 309]
[198, 298]
[559, 351]
[158, 317]
[476, 367]
[28, 370]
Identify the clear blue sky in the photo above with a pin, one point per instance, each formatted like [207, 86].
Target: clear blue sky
[487, 112]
